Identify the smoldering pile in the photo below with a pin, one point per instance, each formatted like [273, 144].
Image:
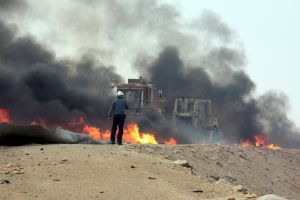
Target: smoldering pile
[21, 135]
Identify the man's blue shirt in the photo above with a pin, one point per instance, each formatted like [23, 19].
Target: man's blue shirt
[118, 107]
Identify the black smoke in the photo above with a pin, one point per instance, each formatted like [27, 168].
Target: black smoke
[202, 59]
[36, 86]
[240, 115]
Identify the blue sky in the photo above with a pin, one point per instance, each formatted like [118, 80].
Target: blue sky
[269, 30]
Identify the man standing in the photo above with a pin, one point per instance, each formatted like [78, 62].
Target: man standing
[117, 111]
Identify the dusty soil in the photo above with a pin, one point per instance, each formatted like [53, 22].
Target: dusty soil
[260, 170]
[145, 172]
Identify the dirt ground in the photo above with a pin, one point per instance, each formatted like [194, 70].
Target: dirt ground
[146, 172]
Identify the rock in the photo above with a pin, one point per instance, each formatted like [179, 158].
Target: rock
[56, 179]
[18, 170]
[251, 196]
[176, 151]
[149, 150]
[198, 191]
[224, 182]
[230, 179]
[132, 166]
[230, 198]
[4, 181]
[63, 161]
[240, 188]
[271, 197]
[219, 164]
[216, 178]
[41, 149]
[180, 162]
[151, 178]
[183, 163]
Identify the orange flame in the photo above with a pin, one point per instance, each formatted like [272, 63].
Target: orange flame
[170, 141]
[96, 133]
[260, 140]
[4, 117]
[131, 134]
[247, 143]
[78, 121]
[40, 122]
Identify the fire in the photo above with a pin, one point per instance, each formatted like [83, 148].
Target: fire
[76, 122]
[133, 135]
[260, 140]
[96, 133]
[170, 141]
[4, 117]
[39, 122]
[246, 143]
[130, 134]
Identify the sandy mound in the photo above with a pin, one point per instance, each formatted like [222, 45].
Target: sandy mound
[145, 172]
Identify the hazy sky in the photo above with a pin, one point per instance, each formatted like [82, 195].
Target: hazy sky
[269, 30]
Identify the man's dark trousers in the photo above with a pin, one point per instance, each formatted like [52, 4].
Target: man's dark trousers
[118, 121]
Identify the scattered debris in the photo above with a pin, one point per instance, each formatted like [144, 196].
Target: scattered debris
[151, 178]
[230, 198]
[183, 163]
[132, 166]
[241, 189]
[9, 168]
[251, 196]
[230, 179]
[63, 161]
[18, 171]
[198, 191]
[4, 181]
[216, 178]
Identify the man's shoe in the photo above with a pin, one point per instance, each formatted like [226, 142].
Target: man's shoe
[119, 143]
[112, 142]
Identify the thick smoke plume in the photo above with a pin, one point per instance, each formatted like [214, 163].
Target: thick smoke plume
[35, 86]
[240, 115]
[59, 67]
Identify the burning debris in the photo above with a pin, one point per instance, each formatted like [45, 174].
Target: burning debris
[37, 87]
[131, 134]
[260, 141]
[20, 135]
[4, 118]
[39, 134]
